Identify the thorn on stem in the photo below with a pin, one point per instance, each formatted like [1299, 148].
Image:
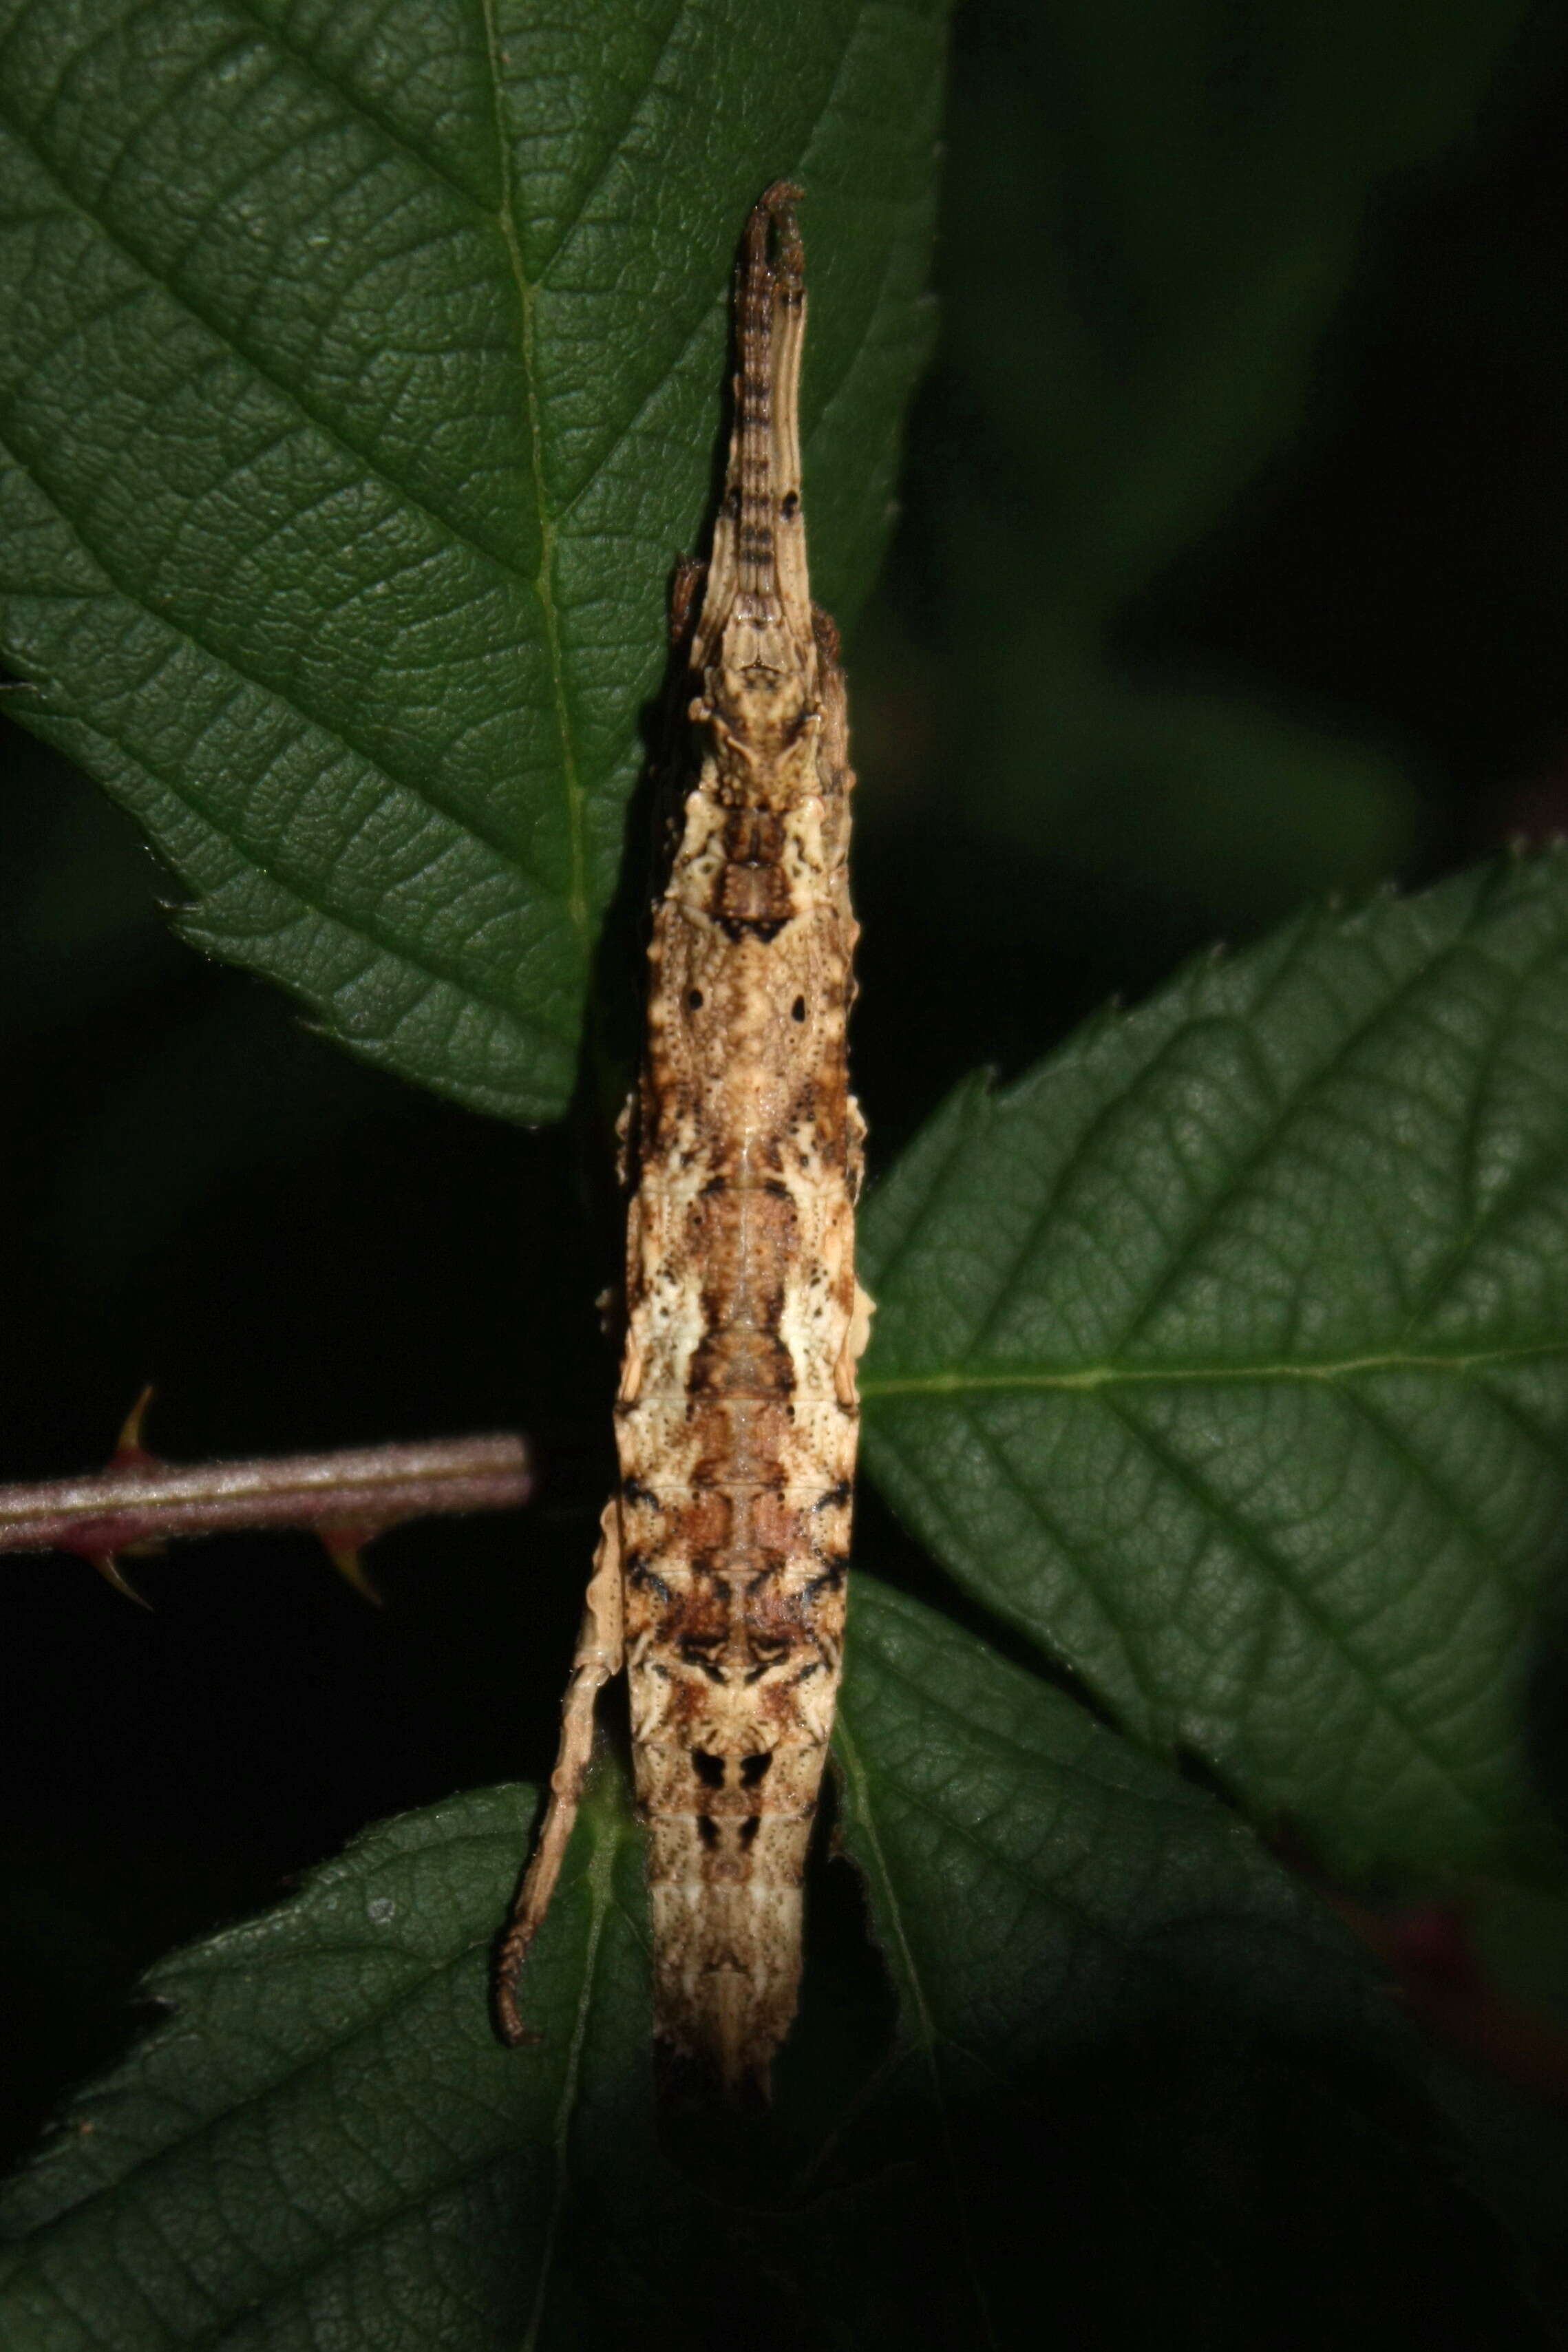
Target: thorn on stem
[108, 1568]
[129, 1454]
[343, 1546]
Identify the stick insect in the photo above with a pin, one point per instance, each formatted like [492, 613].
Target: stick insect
[720, 1575]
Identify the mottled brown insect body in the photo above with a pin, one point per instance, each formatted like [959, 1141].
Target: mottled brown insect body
[723, 1563]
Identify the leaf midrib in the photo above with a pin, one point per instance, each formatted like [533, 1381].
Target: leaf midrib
[544, 582]
[1063, 1379]
[924, 2040]
[428, 1972]
[598, 1878]
[244, 351]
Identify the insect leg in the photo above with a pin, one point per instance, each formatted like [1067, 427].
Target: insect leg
[685, 593]
[594, 1662]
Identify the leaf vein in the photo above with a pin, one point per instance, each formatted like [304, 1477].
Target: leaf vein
[1069, 1553]
[613, 146]
[354, 101]
[544, 582]
[1061, 1379]
[1286, 1582]
[331, 429]
[225, 661]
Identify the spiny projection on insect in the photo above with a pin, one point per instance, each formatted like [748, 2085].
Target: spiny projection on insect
[718, 1579]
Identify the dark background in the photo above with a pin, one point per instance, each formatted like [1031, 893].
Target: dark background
[1232, 571]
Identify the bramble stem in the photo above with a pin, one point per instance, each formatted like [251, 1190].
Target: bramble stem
[364, 1488]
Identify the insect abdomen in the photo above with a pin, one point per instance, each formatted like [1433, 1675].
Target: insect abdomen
[743, 1294]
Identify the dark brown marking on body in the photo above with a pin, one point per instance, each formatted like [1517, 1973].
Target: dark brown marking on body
[737, 1419]
[765, 929]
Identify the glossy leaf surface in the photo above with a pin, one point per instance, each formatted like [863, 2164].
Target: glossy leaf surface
[1227, 1355]
[322, 2141]
[360, 386]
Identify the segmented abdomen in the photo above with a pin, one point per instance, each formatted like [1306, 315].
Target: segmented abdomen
[737, 1421]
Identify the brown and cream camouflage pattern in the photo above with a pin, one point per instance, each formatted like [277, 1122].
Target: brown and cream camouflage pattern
[721, 1572]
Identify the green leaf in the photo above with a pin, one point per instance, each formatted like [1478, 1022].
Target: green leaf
[359, 385]
[323, 2142]
[1039, 1887]
[1159, 2076]
[325, 2139]
[1226, 1355]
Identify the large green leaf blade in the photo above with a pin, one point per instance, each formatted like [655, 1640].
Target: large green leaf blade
[325, 2137]
[1227, 1355]
[359, 387]
[323, 2141]
[1040, 1886]
[1160, 2076]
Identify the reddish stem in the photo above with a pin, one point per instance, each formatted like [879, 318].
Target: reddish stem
[364, 1488]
